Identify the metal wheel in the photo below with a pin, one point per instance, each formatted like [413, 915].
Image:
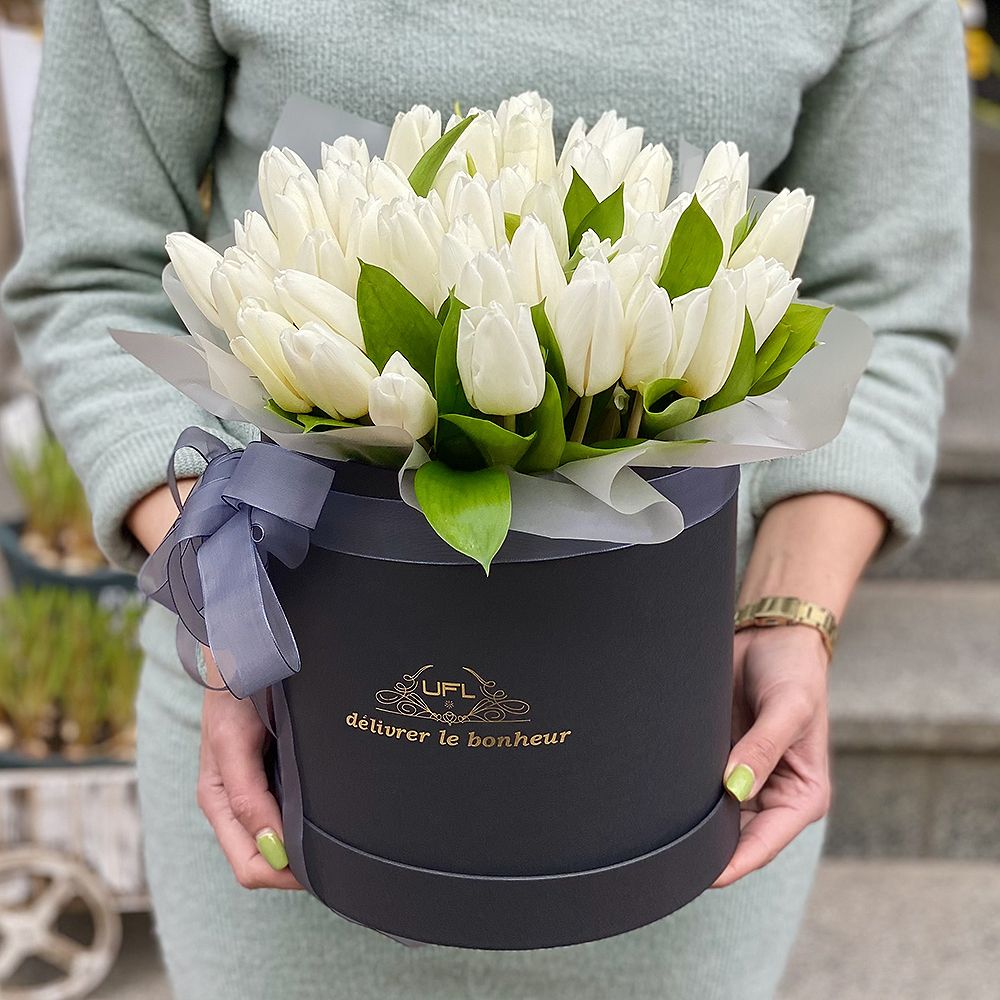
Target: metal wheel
[39, 889]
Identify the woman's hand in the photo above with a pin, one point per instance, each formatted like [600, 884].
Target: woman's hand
[779, 767]
[233, 792]
[232, 786]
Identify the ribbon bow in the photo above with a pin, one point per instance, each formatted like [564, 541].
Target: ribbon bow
[211, 569]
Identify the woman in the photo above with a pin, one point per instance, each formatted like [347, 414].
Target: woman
[861, 103]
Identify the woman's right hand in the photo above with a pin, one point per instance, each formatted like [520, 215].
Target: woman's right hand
[233, 792]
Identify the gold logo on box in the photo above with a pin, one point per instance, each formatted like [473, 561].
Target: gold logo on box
[451, 701]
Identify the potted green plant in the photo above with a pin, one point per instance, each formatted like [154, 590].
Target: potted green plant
[69, 665]
[53, 545]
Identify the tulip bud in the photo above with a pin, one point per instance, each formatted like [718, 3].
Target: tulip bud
[499, 360]
[589, 324]
[458, 246]
[486, 279]
[328, 369]
[526, 136]
[536, 269]
[480, 142]
[631, 264]
[194, 263]
[770, 291]
[345, 151]
[306, 297]
[480, 202]
[720, 337]
[647, 179]
[320, 254]
[400, 397]
[780, 231]
[240, 275]
[544, 202]
[649, 334]
[342, 187]
[723, 182]
[295, 212]
[413, 133]
[276, 168]
[602, 155]
[385, 180]
[689, 313]
[257, 345]
[254, 236]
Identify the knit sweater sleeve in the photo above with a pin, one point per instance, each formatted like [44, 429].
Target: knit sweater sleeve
[128, 113]
[882, 142]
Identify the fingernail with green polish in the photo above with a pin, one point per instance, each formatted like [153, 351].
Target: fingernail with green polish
[272, 849]
[739, 784]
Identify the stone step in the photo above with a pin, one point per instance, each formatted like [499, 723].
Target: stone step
[915, 721]
[890, 929]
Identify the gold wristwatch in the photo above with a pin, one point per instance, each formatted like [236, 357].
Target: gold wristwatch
[769, 611]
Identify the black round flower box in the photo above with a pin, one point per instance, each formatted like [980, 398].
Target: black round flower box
[527, 760]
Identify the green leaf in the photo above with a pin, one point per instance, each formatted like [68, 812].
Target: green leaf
[802, 323]
[448, 389]
[393, 319]
[770, 350]
[496, 444]
[694, 253]
[606, 219]
[580, 202]
[554, 363]
[424, 174]
[315, 421]
[743, 228]
[547, 419]
[469, 510]
[470, 165]
[679, 411]
[741, 375]
[510, 224]
[653, 392]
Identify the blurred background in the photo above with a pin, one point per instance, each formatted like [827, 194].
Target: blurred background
[907, 904]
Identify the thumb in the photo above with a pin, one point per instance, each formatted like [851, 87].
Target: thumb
[756, 755]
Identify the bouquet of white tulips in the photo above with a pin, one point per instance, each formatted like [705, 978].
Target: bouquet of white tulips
[506, 309]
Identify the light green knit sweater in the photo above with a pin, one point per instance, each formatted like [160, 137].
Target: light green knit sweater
[862, 103]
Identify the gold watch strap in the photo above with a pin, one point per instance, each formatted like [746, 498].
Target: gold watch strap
[770, 611]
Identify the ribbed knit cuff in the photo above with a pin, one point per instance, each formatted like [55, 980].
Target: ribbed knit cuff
[134, 466]
[857, 463]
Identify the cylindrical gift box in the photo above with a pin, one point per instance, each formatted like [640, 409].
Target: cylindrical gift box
[524, 760]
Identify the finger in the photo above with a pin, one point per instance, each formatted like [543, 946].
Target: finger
[781, 720]
[237, 741]
[250, 867]
[765, 834]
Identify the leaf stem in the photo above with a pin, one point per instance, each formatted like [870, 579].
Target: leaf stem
[635, 418]
[510, 422]
[582, 417]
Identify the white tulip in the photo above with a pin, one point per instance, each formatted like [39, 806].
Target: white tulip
[603, 155]
[387, 181]
[689, 313]
[320, 254]
[545, 203]
[254, 236]
[240, 275]
[720, 337]
[770, 291]
[725, 177]
[345, 151]
[631, 264]
[536, 270]
[295, 212]
[401, 397]
[258, 346]
[514, 184]
[780, 231]
[329, 369]
[499, 360]
[485, 279]
[589, 324]
[647, 179]
[458, 246]
[305, 298]
[526, 136]
[413, 133]
[649, 333]
[194, 263]
[342, 187]
[480, 143]
[480, 202]
[275, 169]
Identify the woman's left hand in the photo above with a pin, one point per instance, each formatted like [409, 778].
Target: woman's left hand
[780, 719]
